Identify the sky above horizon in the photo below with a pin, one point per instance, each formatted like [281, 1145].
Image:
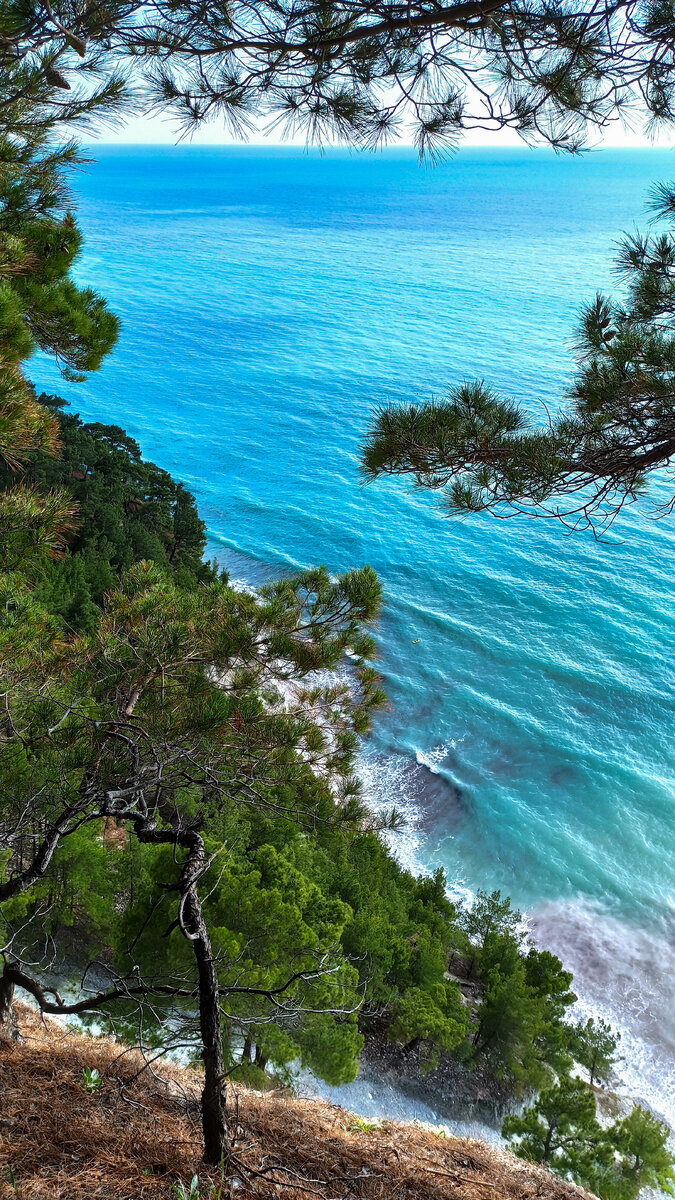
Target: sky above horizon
[161, 131]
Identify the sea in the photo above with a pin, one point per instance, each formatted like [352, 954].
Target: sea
[270, 299]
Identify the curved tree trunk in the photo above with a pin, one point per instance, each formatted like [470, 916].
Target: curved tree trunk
[9, 1030]
[214, 1116]
[193, 927]
[214, 1120]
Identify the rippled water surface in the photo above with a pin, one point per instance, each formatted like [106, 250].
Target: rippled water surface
[268, 300]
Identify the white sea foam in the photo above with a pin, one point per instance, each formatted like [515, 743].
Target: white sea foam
[241, 585]
[375, 1097]
[385, 780]
[433, 758]
[622, 974]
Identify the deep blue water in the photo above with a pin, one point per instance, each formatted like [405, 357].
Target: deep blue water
[269, 299]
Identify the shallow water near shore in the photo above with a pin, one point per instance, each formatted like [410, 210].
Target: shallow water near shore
[268, 300]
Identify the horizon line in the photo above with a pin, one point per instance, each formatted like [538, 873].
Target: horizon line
[185, 144]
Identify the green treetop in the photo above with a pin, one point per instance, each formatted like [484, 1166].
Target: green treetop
[593, 1044]
[490, 914]
[520, 1031]
[646, 1160]
[562, 1131]
[125, 511]
[435, 1014]
[615, 1162]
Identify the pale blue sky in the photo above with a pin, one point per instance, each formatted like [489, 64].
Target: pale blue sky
[162, 131]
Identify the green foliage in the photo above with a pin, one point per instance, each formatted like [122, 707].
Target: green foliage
[520, 1031]
[646, 1161]
[33, 526]
[561, 1129]
[269, 923]
[488, 915]
[511, 1017]
[91, 1080]
[213, 1190]
[191, 1192]
[127, 511]
[402, 929]
[158, 654]
[435, 1014]
[40, 306]
[361, 1125]
[597, 453]
[593, 1044]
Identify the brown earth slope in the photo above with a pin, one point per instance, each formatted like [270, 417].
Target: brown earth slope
[138, 1133]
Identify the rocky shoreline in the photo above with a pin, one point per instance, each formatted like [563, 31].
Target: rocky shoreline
[449, 1087]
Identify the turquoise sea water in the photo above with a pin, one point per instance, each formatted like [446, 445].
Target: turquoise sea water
[268, 300]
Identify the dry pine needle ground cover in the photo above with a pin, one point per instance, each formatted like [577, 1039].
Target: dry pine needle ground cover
[134, 1136]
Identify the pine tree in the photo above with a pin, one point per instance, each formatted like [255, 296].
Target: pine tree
[490, 914]
[511, 1016]
[40, 306]
[434, 1015]
[521, 1032]
[583, 465]
[160, 719]
[188, 533]
[362, 72]
[646, 1160]
[593, 1044]
[561, 1130]
[124, 510]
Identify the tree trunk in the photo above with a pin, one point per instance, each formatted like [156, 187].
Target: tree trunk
[194, 929]
[548, 1142]
[9, 1031]
[214, 1116]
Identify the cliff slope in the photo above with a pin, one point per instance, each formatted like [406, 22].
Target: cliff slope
[137, 1133]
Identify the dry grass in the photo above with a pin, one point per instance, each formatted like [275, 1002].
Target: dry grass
[138, 1133]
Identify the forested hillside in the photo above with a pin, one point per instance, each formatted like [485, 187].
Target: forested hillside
[127, 511]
